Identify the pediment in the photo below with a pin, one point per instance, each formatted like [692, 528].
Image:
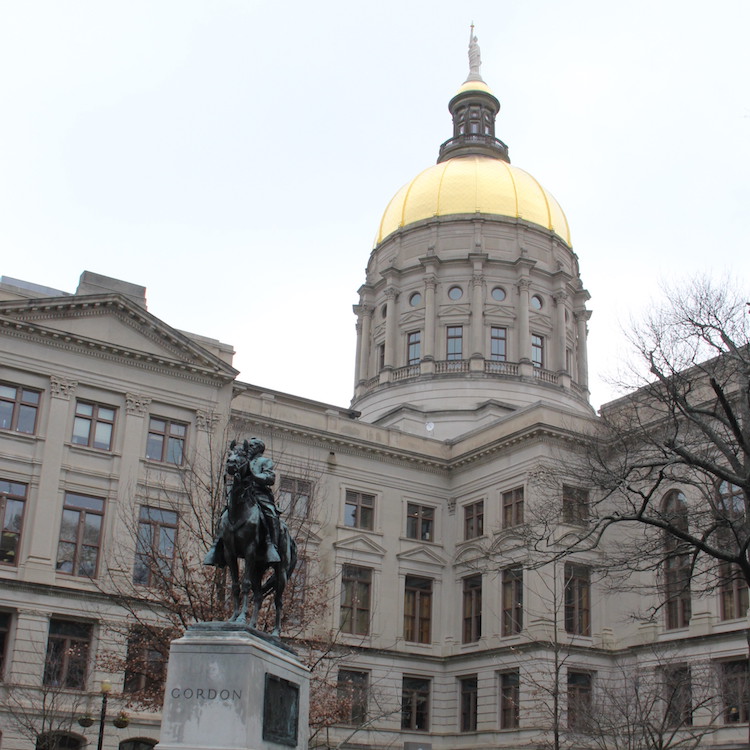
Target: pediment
[360, 543]
[111, 325]
[470, 553]
[454, 311]
[423, 555]
[413, 316]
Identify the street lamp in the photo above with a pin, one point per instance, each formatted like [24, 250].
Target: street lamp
[106, 687]
[120, 721]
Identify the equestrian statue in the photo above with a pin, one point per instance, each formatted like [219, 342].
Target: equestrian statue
[250, 528]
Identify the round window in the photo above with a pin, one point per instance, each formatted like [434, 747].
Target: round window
[415, 299]
[536, 302]
[498, 294]
[455, 292]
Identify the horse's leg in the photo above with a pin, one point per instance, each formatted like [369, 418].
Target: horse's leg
[278, 596]
[246, 573]
[234, 572]
[256, 581]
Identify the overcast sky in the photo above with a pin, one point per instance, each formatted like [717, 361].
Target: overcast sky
[235, 157]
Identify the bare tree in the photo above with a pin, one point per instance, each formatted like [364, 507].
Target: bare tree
[659, 704]
[45, 714]
[669, 464]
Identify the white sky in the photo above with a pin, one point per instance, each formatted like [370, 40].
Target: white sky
[235, 156]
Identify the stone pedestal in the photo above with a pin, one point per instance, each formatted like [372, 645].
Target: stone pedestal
[229, 688]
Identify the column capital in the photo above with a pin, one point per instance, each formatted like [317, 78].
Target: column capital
[206, 421]
[61, 387]
[523, 284]
[137, 404]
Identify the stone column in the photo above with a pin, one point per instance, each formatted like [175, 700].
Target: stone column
[364, 319]
[430, 315]
[391, 330]
[562, 339]
[522, 314]
[44, 512]
[582, 356]
[477, 314]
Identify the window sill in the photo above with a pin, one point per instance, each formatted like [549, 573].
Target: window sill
[90, 451]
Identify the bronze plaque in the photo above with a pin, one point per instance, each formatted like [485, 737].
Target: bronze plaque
[280, 711]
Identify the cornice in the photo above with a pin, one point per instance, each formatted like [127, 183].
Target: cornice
[364, 448]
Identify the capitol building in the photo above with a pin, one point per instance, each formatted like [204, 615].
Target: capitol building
[469, 416]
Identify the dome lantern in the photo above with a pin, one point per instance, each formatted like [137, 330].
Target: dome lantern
[474, 109]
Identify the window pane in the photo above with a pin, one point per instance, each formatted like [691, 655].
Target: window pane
[154, 446]
[81, 429]
[26, 419]
[103, 436]
[6, 415]
[85, 410]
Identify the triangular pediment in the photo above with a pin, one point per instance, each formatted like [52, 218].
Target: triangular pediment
[423, 555]
[360, 543]
[111, 325]
[413, 316]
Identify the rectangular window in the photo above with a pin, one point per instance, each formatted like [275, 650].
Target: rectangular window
[413, 348]
[537, 350]
[733, 592]
[356, 585]
[415, 704]
[577, 599]
[12, 507]
[155, 546]
[351, 693]
[474, 520]
[146, 670]
[509, 700]
[420, 522]
[454, 342]
[678, 604]
[512, 600]
[93, 425]
[575, 505]
[166, 441]
[359, 510]
[80, 535]
[4, 636]
[417, 609]
[68, 646]
[678, 696]
[513, 508]
[498, 344]
[381, 356]
[735, 693]
[294, 497]
[472, 609]
[579, 700]
[468, 703]
[18, 408]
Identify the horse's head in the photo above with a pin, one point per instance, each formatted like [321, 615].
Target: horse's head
[238, 459]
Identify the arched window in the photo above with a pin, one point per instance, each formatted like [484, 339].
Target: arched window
[142, 743]
[59, 741]
[676, 569]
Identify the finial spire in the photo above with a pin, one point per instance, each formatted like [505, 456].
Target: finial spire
[475, 57]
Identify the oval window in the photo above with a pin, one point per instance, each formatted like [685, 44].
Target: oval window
[455, 292]
[415, 299]
[498, 294]
[536, 302]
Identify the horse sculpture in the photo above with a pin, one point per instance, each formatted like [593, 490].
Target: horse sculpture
[243, 534]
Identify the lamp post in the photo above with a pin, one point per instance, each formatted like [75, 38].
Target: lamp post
[106, 687]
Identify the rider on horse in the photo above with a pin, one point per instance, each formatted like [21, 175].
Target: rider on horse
[261, 477]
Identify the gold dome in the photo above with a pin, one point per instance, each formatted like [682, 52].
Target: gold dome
[473, 184]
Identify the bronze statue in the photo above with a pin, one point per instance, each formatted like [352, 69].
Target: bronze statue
[250, 528]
